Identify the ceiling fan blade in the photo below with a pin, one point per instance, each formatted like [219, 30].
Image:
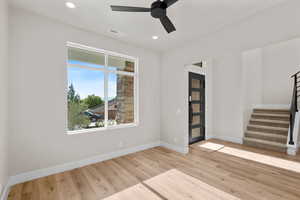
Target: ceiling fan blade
[170, 2]
[129, 9]
[166, 22]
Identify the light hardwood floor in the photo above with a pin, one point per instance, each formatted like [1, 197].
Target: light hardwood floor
[212, 170]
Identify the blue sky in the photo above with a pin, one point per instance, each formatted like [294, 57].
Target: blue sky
[88, 82]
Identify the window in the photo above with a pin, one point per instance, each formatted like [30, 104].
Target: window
[102, 89]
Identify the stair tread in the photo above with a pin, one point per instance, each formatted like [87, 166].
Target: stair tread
[268, 120]
[267, 134]
[272, 109]
[268, 127]
[276, 144]
[271, 115]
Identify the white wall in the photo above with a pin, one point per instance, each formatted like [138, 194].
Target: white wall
[3, 94]
[280, 62]
[252, 77]
[225, 49]
[227, 97]
[37, 86]
[38, 82]
[267, 73]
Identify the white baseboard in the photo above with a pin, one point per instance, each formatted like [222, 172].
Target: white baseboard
[173, 147]
[23, 177]
[291, 150]
[230, 139]
[4, 191]
[272, 106]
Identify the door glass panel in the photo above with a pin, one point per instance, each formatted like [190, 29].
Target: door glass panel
[196, 84]
[196, 120]
[196, 108]
[196, 132]
[195, 96]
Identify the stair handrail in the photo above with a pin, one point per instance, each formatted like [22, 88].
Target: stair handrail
[294, 107]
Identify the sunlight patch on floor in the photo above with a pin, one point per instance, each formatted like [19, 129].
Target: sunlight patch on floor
[261, 158]
[176, 185]
[211, 146]
[137, 192]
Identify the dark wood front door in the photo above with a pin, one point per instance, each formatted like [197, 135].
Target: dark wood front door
[196, 107]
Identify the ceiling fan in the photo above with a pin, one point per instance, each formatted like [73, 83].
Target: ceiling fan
[158, 10]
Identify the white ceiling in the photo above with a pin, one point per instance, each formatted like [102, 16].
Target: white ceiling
[192, 18]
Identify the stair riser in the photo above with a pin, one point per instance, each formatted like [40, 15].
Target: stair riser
[271, 118]
[264, 146]
[273, 124]
[271, 111]
[267, 138]
[279, 132]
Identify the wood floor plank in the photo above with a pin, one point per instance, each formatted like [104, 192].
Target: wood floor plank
[82, 185]
[207, 172]
[27, 191]
[47, 188]
[66, 187]
[15, 192]
[113, 176]
[139, 173]
[98, 182]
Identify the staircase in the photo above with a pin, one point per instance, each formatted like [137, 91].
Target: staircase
[268, 129]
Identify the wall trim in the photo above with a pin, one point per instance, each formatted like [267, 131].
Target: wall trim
[229, 139]
[5, 192]
[27, 176]
[180, 149]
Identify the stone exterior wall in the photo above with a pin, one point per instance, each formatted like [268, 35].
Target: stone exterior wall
[125, 96]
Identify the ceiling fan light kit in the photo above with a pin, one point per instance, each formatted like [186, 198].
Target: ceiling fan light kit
[158, 10]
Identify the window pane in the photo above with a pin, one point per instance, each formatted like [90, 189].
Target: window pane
[121, 99]
[85, 58]
[85, 99]
[120, 64]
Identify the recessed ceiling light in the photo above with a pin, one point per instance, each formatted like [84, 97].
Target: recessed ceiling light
[154, 37]
[70, 5]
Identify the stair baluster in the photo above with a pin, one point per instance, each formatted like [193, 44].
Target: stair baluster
[294, 107]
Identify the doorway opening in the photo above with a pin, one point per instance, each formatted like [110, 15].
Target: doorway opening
[196, 107]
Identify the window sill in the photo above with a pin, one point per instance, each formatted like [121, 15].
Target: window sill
[94, 130]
